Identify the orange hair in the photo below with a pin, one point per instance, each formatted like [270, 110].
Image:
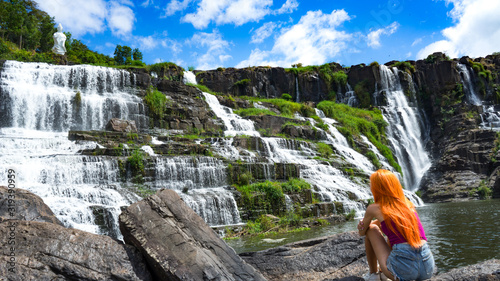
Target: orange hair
[388, 193]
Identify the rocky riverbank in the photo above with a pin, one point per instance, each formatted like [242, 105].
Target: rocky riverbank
[165, 240]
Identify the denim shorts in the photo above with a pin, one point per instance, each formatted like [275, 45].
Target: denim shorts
[407, 263]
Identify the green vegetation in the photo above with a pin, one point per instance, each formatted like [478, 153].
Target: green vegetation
[361, 91]
[432, 58]
[375, 63]
[350, 215]
[243, 83]
[340, 78]
[484, 191]
[253, 112]
[287, 108]
[268, 195]
[357, 121]
[325, 150]
[124, 55]
[405, 66]
[77, 100]
[373, 158]
[136, 162]
[286, 97]
[156, 102]
[481, 71]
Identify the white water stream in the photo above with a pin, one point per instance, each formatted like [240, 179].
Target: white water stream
[405, 131]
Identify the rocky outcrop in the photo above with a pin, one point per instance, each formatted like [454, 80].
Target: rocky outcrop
[327, 258]
[177, 243]
[24, 205]
[46, 251]
[485, 271]
[118, 125]
[186, 109]
[269, 82]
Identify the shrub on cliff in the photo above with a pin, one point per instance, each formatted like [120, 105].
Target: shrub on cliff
[156, 102]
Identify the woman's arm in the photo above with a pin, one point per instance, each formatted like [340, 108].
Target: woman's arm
[367, 219]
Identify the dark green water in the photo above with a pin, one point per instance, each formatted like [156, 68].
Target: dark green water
[459, 233]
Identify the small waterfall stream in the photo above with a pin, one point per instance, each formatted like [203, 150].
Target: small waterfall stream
[490, 118]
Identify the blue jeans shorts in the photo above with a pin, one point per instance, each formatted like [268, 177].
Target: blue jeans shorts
[407, 263]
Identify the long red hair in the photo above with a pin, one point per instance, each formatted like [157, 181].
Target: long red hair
[388, 193]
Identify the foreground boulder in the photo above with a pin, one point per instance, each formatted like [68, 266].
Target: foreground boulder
[177, 243]
[485, 271]
[46, 251]
[29, 206]
[327, 258]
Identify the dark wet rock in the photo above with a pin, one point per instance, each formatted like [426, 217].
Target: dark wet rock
[485, 271]
[327, 258]
[46, 251]
[178, 244]
[118, 125]
[27, 206]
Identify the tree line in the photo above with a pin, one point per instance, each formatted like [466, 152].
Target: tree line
[26, 35]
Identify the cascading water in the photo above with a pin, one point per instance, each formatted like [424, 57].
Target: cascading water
[40, 103]
[405, 132]
[234, 123]
[470, 93]
[189, 78]
[39, 96]
[349, 97]
[490, 117]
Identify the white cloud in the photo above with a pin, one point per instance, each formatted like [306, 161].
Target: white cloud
[120, 19]
[288, 7]
[90, 19]
[176, 6]
[476, 31]
[236, 12]
[373, 37]
[215, 47]
[91, 16]
[417, 41]
[263, 32]
[313, 40]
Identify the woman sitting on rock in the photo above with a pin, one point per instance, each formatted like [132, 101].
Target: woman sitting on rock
[407, 255]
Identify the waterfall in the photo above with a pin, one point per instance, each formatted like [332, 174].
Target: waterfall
[490, 117]
[39, 96]
[404, 131]
[75, 187]
[470, 94]
[189, 78]
[235, 125]
[87, 192]
[349, 97]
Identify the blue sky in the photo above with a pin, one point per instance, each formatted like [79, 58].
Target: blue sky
[207, 34]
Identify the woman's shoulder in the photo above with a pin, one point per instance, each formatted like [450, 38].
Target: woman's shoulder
[375, 211]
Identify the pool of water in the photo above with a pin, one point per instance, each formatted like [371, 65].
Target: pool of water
[459, 233]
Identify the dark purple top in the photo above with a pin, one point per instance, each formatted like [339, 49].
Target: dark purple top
[397, 238]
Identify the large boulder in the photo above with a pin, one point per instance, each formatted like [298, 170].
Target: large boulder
[335, 257]
[118, 125]
[28, 206]
[177, 243]
[46, 251]
[485, 271]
